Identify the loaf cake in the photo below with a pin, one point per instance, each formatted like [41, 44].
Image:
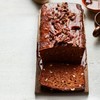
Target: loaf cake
[62, 36]
[63, 77]
[61, 54]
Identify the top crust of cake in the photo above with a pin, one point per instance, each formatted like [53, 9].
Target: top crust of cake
[61, 24]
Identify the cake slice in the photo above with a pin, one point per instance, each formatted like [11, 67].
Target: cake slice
[63, 77]
[62, 37]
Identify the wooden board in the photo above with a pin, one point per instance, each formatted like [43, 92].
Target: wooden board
[39, 90]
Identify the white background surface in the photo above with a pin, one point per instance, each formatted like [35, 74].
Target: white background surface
[18, 32]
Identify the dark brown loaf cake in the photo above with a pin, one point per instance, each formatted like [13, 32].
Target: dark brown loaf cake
[63, 77]
[62, 37]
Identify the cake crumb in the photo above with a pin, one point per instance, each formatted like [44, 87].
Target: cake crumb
[46, 79]
[62, 81]
[73, 75]
[65, 88]
[82, 73]
[80, 85]
[72, 89]
[66, 72]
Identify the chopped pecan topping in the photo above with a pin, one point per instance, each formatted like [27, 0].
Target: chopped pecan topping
[58, 5]
[62, 15]
[75, 27]
[57, 32]
[57, 26]
[65, 30]
[60, 38]
[59, 18]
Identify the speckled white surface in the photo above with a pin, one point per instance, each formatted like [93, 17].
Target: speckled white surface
[18, 32]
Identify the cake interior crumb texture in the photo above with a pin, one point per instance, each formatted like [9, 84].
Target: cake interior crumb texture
[63, 77]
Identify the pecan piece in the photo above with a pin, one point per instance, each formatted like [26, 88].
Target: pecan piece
[65, 30]
[75, 27]
[64, 20]
[62, 15]
[57, 32]
[58, 15]
[71, 16]
[65, 5]
[57, 26]
[67, 39]
[60, 38]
